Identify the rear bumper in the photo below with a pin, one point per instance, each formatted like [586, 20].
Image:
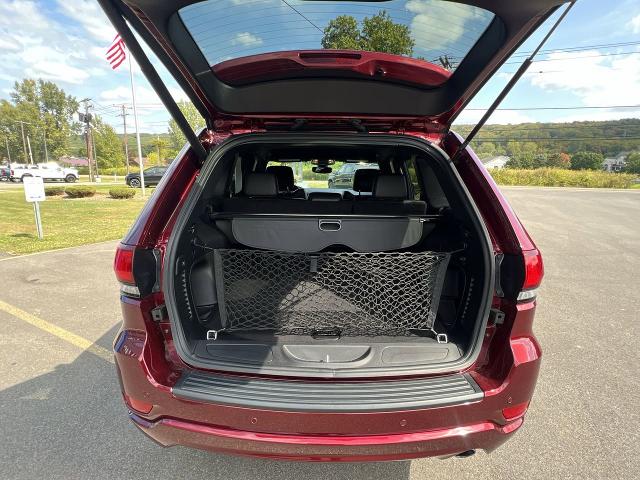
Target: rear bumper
[151, 382]
[401, 446]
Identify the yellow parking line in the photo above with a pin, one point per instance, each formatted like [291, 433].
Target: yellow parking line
[66, 335]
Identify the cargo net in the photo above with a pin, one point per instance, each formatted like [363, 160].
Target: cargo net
[350, 294]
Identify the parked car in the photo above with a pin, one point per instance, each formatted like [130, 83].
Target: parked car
[307, 323]
[152, 176]
[5, 173]
[343, 177]
[48, 171]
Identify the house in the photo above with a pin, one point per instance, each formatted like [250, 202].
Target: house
[615, 164]
[73, 161]
[496, 162]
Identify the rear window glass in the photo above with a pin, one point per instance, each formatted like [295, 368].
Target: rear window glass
[339, 177]
[438, 31]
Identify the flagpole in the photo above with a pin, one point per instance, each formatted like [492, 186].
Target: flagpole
[135, 120]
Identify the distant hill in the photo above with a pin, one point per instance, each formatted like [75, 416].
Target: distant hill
[607, 137]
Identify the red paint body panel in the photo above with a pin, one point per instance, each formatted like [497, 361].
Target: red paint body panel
[300, 63]
[146, 374]
[402, 446]
[506, 370]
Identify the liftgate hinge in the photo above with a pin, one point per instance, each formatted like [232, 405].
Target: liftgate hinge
[496, 317]
[159, 313]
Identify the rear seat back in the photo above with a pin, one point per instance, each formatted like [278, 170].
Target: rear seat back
[260, 195]
[286, 181]
[363, 180]
[389, 198]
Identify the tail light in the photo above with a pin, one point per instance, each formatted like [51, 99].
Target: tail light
[137, 270]
[516, 411]
[533, 273]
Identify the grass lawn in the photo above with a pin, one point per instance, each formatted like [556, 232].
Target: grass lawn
[66, 222]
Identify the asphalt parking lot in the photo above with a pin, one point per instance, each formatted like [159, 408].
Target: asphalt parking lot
[61, 415]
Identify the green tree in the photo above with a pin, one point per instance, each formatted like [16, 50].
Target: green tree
[176, 139]
[342, 33]
[587, 161]
[522, 155]
[109, 147]
[158, 155]
[632, 163]
[48, 115]
[378, 33]
[558, 160]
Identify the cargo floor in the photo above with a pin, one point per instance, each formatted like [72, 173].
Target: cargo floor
[324, 354]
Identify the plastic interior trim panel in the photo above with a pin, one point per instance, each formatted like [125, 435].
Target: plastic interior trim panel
[183, 345]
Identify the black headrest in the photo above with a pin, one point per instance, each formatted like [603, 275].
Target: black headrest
[325, 196]
[390, 186]
[363, 179]
[284, 175]
[260, 185]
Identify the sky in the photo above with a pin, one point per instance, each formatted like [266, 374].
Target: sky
[592, 60]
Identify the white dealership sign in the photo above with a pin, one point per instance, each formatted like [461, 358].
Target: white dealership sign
[34, 193]
[33, 189]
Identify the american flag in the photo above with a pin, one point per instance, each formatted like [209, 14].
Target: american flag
[116, 53]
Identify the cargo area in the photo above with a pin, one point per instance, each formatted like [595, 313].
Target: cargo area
[328, 256]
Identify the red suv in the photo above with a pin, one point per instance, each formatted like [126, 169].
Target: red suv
[267, 314]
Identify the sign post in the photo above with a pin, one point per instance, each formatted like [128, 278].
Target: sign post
[34, 193]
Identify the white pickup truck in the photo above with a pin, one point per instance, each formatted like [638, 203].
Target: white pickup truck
[48, 171]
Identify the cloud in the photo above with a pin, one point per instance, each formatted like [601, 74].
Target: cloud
[35, 45]
[90, 16]
[437, 24]
[246, 39]
[634, 24]
[597, 80]
[144, 96]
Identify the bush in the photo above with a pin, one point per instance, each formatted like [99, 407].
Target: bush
[53, 191]
[80, 192]
[587, 161]
[555, 177]
[122, 192]
[633, 163]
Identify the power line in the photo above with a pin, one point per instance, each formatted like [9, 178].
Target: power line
[570, 49]
[580, 48]
[540, 139]
[577, 58]
[516, 129]
[556, 108]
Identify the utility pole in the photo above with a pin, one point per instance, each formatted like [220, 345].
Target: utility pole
[125, 139]
[46, 152]
[24, 142]
[86, 119]
[30, 154]
[95, 154]
[6, 141]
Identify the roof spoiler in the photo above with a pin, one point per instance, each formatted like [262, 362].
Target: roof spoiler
[120, 24]
[507, 88]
